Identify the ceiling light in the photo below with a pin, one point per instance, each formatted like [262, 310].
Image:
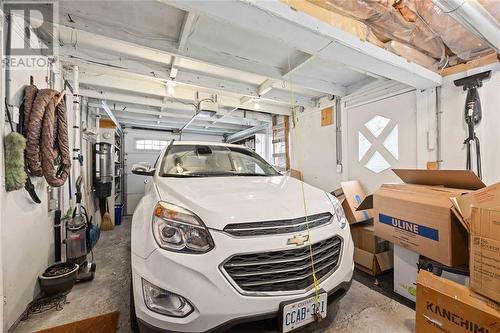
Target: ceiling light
[158, 122]
[257, 106]
[206, 114]
[171, 87]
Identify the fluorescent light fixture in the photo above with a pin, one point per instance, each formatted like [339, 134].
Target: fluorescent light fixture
[171, 87]
[265, 87]
[205, 114]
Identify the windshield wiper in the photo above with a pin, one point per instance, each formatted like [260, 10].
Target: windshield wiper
[179, 175]
[210, 173]
[250, 174]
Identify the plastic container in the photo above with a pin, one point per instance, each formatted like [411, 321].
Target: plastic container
[58, 278]
[118, 214]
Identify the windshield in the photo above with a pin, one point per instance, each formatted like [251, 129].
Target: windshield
[213, 161]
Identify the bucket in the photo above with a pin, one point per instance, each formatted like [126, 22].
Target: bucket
[118, 214]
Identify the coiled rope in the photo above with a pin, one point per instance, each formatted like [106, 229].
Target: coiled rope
[46, 131]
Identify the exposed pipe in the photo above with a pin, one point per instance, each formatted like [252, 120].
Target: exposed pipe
[8, 18]
[439, 116]
[76, 128]
[474, 18]
[338, 131]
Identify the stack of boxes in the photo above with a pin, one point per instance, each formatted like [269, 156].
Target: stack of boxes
[372, 254]
[443, 305]
[453, 219]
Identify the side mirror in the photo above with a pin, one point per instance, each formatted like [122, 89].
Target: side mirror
[143, 169]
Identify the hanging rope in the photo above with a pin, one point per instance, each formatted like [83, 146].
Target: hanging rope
[317, 315]
[46, 131]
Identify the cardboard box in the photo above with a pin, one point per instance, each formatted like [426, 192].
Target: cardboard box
[364, 238]
[296, 174]
[406, 271]
[445, 306]
[485, 252]
[371, 254]
[417, 215]
[484, 198]
[354, 195]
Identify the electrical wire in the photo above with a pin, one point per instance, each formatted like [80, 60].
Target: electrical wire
[304, 201]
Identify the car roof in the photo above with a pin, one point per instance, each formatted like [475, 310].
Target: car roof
[206, 143]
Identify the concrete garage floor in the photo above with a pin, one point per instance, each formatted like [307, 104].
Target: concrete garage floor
[361, 310]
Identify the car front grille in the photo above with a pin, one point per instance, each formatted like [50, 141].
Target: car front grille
[278, 227]
[284, 271]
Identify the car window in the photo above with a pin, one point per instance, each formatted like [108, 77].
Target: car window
[213, 160]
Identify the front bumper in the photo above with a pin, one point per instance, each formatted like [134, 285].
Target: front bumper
[334, 295]
[217, 304]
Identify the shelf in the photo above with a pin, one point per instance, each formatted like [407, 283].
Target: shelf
[118, 163]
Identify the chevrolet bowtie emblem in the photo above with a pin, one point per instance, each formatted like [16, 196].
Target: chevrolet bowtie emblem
[298, 240]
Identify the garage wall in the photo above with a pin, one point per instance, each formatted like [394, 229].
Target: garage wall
[315, 155]
[454, 130]
[313, 150]
[26, 228]
[135, 183]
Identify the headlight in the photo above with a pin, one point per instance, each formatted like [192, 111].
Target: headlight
[178, 229]
[339, 212]
[164, 302]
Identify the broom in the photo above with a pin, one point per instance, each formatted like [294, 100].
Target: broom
[107, 224]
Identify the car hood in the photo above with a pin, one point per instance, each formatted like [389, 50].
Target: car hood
[219, 201]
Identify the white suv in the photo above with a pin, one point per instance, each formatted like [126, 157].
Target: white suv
[220, 237]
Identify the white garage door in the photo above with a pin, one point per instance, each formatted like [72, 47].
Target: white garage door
[145, 146]
[381, 135]
[140, 146]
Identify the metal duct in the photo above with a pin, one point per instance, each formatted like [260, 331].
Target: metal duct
[475, 18]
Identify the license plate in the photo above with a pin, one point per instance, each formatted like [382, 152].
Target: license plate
[300, 313]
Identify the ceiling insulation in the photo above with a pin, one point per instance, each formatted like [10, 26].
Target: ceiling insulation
[417, 30]
[386, 20]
